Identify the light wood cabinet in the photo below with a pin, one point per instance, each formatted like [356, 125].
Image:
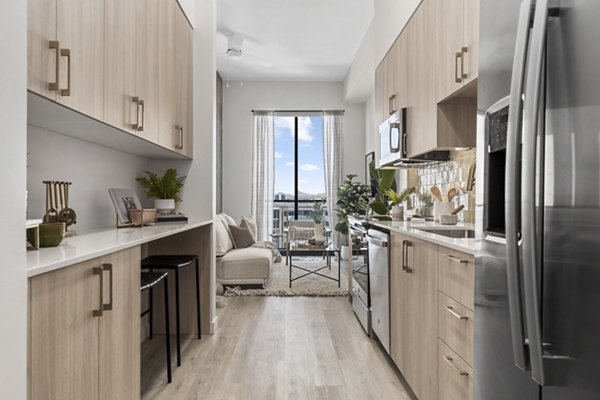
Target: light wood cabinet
[74, 352]
[457, 276]
[390, 80]
[413, 313]
[65, 53]
[185, 82]
[457, 31]
[456, 376]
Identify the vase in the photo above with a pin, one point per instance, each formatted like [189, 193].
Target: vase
[164, 206]
[397, 213]
[345, 253]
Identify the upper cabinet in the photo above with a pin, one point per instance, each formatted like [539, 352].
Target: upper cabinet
[390, 80]
[125, 63]
[65, 47]
[457, 36]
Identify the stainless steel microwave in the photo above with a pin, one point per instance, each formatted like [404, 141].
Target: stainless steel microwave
[392, 139]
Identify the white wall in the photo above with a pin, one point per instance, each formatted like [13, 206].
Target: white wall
[92, 169]
[239, 100]
[13, 284]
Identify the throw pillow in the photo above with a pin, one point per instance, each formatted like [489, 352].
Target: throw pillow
[242, 237]
[250, 223]
[300, 233]
[223, 241]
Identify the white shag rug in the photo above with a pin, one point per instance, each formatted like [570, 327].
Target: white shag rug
[310, 286]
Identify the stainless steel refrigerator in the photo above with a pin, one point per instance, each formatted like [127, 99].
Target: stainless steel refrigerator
[537, 301]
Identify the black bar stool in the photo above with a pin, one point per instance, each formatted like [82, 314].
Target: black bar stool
[175, 263]
[148, 280]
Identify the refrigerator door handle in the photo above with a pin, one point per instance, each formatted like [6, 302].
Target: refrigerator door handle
[512, 196]
[531, 256]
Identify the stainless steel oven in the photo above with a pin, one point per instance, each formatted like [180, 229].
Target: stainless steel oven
[361, 301]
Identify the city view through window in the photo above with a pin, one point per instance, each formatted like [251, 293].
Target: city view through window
[299, 175]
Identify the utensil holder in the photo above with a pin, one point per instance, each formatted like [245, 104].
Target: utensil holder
[442, 207]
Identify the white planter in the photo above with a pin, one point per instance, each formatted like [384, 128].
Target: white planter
[397, 213]
[164, 206]
[345, 253]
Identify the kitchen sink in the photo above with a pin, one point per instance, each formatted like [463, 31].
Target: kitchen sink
[456, 233]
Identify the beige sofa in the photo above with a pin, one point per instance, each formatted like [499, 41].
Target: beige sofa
[246, 266]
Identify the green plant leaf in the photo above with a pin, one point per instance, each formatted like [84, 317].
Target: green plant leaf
[380, 207]
[166, 187]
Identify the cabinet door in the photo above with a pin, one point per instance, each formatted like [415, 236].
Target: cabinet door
[184, 82]
[449, 35]
[379, 94]
[168, 133]
[421, 115]
[421, 319]
[146, 64]
[119, 65]
[120, 327]
[471, 40]
[41, 59]
[390, 75]
[63, 333]
[80, 27]
[400, 65]
[399, 303]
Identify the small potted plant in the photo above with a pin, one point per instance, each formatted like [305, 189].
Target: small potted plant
[396, 200]
[386, 181]
[165, 190]
[352, 200]
[317, 216]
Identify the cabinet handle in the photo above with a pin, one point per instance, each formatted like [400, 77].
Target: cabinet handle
[405, 245]
[404, 144]
[457, 78]
[456, 315]
[67, 53]
[141, 127]
[98, 312]
[463, 51]
[136, 125]
[109, 268]
[55, 44]
[391, 102]
[456, 259]
[460, 372]
[180, 130]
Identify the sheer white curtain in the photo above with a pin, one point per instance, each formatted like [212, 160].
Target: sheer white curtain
[262, 172]
[332, 162]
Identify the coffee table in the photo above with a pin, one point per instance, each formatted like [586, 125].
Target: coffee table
[300, 248]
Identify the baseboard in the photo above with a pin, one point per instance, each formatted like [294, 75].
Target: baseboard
[213, 326]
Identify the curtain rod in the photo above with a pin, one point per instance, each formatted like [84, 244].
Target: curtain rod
[299, 111]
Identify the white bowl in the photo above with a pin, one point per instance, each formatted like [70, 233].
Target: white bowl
[448, 219]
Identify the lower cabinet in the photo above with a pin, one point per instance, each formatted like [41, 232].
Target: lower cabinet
[413, 313]
[84, 330]
[455, 375]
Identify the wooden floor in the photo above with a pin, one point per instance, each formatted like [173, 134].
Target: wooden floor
[275, 348]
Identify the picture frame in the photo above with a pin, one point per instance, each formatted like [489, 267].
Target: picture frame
[124, 200]
[370, 181]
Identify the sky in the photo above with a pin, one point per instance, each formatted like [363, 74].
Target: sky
[310, 155]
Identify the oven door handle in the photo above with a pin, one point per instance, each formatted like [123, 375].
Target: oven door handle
[377, 242]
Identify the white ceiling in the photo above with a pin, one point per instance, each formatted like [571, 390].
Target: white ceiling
[305, 40]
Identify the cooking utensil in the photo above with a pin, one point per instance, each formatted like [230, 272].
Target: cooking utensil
[51, 212]
[450, 193]
[67, 215]
[458, 209]
[436, 193]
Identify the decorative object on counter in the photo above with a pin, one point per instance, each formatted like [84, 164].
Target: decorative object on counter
[57, 203]
[141, 217]
[442, 207]
[437, 193]
[32, 231]
[124, 200]
[396, 201]
[386, 181]
[51, 233]
[178, 217]
[448, 219]
[352, 200]
[165, 190]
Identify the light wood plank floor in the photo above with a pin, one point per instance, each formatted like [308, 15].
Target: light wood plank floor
[275, 348]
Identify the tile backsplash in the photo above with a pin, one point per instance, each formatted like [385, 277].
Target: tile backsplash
[445, 175]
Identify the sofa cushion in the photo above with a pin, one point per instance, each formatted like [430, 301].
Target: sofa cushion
[223, 242]
[248, 263]
[250, 223]
[242, 237]
[300, 233]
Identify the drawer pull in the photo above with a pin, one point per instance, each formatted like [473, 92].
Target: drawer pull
[456, 259]
[54, 44]
[109, 268]
[456, 315]
[98, 312]
[449, 360]
[457, 77]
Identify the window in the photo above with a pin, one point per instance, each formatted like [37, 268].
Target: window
[299, 176]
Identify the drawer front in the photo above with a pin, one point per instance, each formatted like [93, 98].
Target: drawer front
[457, 275]
[456, 327]
[455, 376]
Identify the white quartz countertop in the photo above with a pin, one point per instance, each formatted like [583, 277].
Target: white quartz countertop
[412, 229]
[85, 245]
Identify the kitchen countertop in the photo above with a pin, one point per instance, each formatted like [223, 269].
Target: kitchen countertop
[86, 245]
[409, 228]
